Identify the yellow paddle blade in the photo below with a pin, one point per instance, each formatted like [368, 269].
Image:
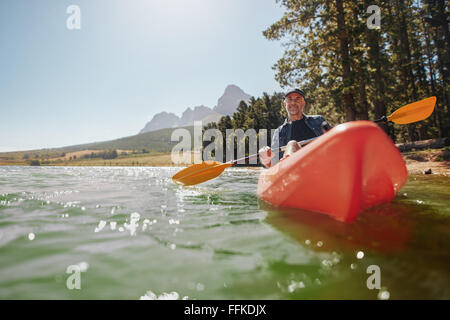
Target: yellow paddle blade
[413, 112]
[199, 173]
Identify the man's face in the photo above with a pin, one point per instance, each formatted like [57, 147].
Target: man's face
[294, 104]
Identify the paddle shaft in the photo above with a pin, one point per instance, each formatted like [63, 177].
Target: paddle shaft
[302, 143]
[255, 156]
[382, 119]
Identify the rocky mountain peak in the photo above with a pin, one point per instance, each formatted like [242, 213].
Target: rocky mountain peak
[226, 105]
[230, 99]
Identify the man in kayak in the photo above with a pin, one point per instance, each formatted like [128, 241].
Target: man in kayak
[296, 127]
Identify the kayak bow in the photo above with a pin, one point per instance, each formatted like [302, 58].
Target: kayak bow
[351, 168]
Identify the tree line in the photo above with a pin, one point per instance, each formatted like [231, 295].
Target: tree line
[352, 72]
[107, 155]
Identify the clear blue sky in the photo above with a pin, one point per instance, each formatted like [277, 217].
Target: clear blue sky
[130, 60]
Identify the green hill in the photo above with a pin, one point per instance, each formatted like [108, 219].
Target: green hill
[155, 142]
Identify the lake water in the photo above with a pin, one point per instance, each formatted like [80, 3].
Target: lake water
[133, 233]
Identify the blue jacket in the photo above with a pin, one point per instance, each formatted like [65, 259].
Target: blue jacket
[282, 135]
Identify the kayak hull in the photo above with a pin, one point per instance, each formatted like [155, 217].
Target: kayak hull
[349, 169]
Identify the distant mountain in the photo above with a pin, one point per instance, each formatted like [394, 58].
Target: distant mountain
[156, 135]
[189, 116]
[160, 121]
[164, 119]
[230, 99]
[226, 105]
[215, 117]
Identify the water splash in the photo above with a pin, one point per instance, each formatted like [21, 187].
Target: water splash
[150, 295]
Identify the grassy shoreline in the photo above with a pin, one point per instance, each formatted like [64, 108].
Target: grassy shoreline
[163, 159]
[417, 162]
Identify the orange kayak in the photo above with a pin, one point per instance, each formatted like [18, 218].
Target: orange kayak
[349, 169]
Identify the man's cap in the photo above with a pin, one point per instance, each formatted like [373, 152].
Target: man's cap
[299, 91]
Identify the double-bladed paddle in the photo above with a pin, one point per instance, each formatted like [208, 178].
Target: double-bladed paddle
[208, 170]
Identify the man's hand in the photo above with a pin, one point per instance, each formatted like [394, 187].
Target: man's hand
[265, 156]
